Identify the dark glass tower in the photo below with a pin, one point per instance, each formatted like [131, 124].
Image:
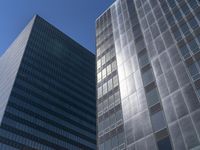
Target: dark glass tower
[156, 46]
[47, 92]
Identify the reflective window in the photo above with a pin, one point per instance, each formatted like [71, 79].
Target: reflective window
[152, 95]
[158, 121]
[147, 75]
[193, 46]
[184, 50]
[164, 144]
[143, 58]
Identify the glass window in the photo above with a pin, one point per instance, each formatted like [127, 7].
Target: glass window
[111, 100]
[185, 8]
[193, 23]
[176, 32]
[99, 92]
[185, 29]
[170, 18]
[103, 60]
[147, 75]
[158, 121]
[193, 46]
[157, 12]
[164, 144]
[143, 58]
[105, 89]
[115, 81]
[108, 69]
[103, 73]
[114, 66]
[99, 77]
[184, 51]
[150, 18]
[172, 3]
[152, 96]
[110, 85]
[154, 30]
[98, 64]
[162, 24]
[192, 69]
[178, 15]
[118, 115]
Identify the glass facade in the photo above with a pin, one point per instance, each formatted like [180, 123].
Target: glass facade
[51, 104]
[156, 45]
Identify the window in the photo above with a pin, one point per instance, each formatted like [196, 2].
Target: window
[192, 68]
[143, 58]
[105, 89]
[176, 32]
[152, 95]
[99, 77]
[115, 81]
[108, 69]
[103, 73]
[99, 92]
[154, 30]
[147, 75]
[185, 29]
[110, 85]
[98, 64]
[172, 3]
[114, 66]
[158, 121]
[185, 9]
[193, 46]
[164, 144]
[193, 23]
[184, 51]
[178, 15]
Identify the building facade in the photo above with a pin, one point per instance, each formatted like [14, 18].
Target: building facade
[47, 92]
[148, 75]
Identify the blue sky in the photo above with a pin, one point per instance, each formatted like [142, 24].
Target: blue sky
[75, 18]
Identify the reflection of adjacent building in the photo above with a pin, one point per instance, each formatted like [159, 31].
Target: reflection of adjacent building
[156, 46]
[47, 92]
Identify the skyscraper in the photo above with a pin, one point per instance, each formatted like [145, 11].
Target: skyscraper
[148, 75]
[47, 92]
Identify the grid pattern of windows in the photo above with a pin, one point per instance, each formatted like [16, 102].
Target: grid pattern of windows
[109, 113]
[52, 102]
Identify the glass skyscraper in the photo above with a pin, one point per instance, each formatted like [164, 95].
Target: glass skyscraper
[47, 92]
[148, 75]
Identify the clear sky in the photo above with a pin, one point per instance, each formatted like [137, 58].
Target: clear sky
[76, 18]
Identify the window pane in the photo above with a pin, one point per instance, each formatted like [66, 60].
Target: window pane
[158, 121]
[152, 96]
[147, 76]
[164, 144]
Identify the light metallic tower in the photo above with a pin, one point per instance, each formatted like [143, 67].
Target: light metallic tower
[149, 99]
